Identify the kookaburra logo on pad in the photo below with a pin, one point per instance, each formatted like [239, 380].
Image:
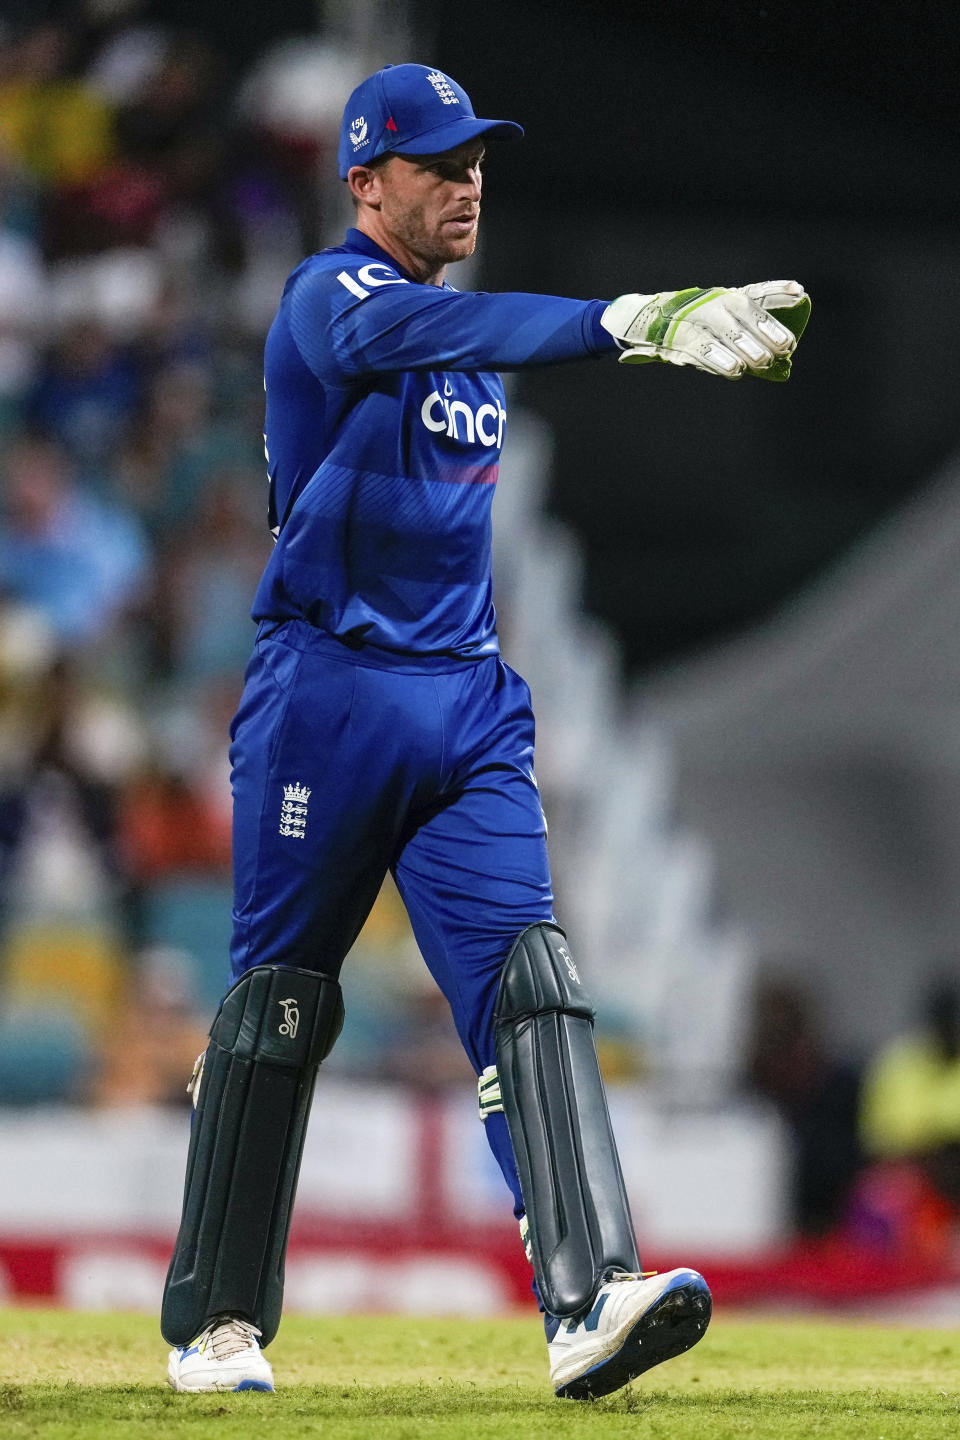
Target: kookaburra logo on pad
[291, 1017]
[568, 961]
[293, 811]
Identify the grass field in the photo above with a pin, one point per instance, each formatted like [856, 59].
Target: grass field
[65, 1375]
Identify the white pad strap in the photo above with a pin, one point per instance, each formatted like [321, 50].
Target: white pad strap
[488, 1092]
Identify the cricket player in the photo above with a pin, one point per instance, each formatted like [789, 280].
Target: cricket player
[380, 730]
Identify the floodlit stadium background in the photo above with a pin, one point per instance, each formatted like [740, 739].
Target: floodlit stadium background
[738, 608]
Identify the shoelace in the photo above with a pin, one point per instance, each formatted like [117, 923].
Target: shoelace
[228, 1336]
[612, 1275]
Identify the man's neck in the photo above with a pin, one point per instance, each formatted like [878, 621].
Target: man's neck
[422, 271]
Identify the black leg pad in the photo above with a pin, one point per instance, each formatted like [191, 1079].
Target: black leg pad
[273, 1029]
[556, 1111]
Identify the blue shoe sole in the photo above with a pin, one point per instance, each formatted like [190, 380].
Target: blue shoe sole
[673, 1324]
[253, 1385]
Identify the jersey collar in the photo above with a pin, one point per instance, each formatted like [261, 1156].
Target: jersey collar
[359, 240]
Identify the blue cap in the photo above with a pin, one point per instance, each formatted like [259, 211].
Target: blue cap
[412, 110]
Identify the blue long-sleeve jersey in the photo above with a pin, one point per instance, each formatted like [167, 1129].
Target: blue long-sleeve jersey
[385, 420]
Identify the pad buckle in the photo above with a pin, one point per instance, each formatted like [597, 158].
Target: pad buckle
[488, 1093]
[193, 1084]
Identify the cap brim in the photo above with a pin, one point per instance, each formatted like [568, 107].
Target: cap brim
[458, 132]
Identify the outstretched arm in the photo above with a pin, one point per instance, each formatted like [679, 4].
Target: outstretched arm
[366, 318]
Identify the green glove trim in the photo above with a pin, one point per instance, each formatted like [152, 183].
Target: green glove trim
[701, 297]
[655, 335]
[778, 371]
[796, 317]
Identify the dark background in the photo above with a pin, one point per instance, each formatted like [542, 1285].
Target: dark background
[671, 145]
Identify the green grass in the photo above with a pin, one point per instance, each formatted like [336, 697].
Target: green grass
[66, 1375]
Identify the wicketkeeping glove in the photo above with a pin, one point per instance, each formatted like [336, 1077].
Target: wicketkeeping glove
[725, 332]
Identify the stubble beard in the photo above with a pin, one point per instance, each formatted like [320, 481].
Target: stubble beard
[430, 247]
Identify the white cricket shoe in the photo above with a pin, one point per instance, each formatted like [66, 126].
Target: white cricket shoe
[224, 1356]
[633, 1324]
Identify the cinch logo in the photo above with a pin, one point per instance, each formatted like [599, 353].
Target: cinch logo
[484, 424]
[358, 131]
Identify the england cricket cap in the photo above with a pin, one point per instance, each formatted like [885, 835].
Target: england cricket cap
[412, 110]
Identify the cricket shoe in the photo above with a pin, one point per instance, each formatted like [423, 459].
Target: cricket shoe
[635, 1322]
[224, 1356]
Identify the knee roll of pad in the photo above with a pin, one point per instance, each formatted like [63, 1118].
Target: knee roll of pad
[553, 1098]
[272, 1031]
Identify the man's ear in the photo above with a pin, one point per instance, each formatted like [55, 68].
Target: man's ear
[364, 182]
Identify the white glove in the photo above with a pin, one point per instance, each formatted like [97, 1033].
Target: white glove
[724, 332]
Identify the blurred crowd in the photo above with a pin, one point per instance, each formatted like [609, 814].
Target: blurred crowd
[152, 201]
[875, 1145]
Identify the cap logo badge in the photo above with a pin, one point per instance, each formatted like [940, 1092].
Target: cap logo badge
[443, 87]
[358, 131]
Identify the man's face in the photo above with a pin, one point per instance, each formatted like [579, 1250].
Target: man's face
[430, 204]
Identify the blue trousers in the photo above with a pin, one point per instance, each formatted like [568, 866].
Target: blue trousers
[347, 764]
